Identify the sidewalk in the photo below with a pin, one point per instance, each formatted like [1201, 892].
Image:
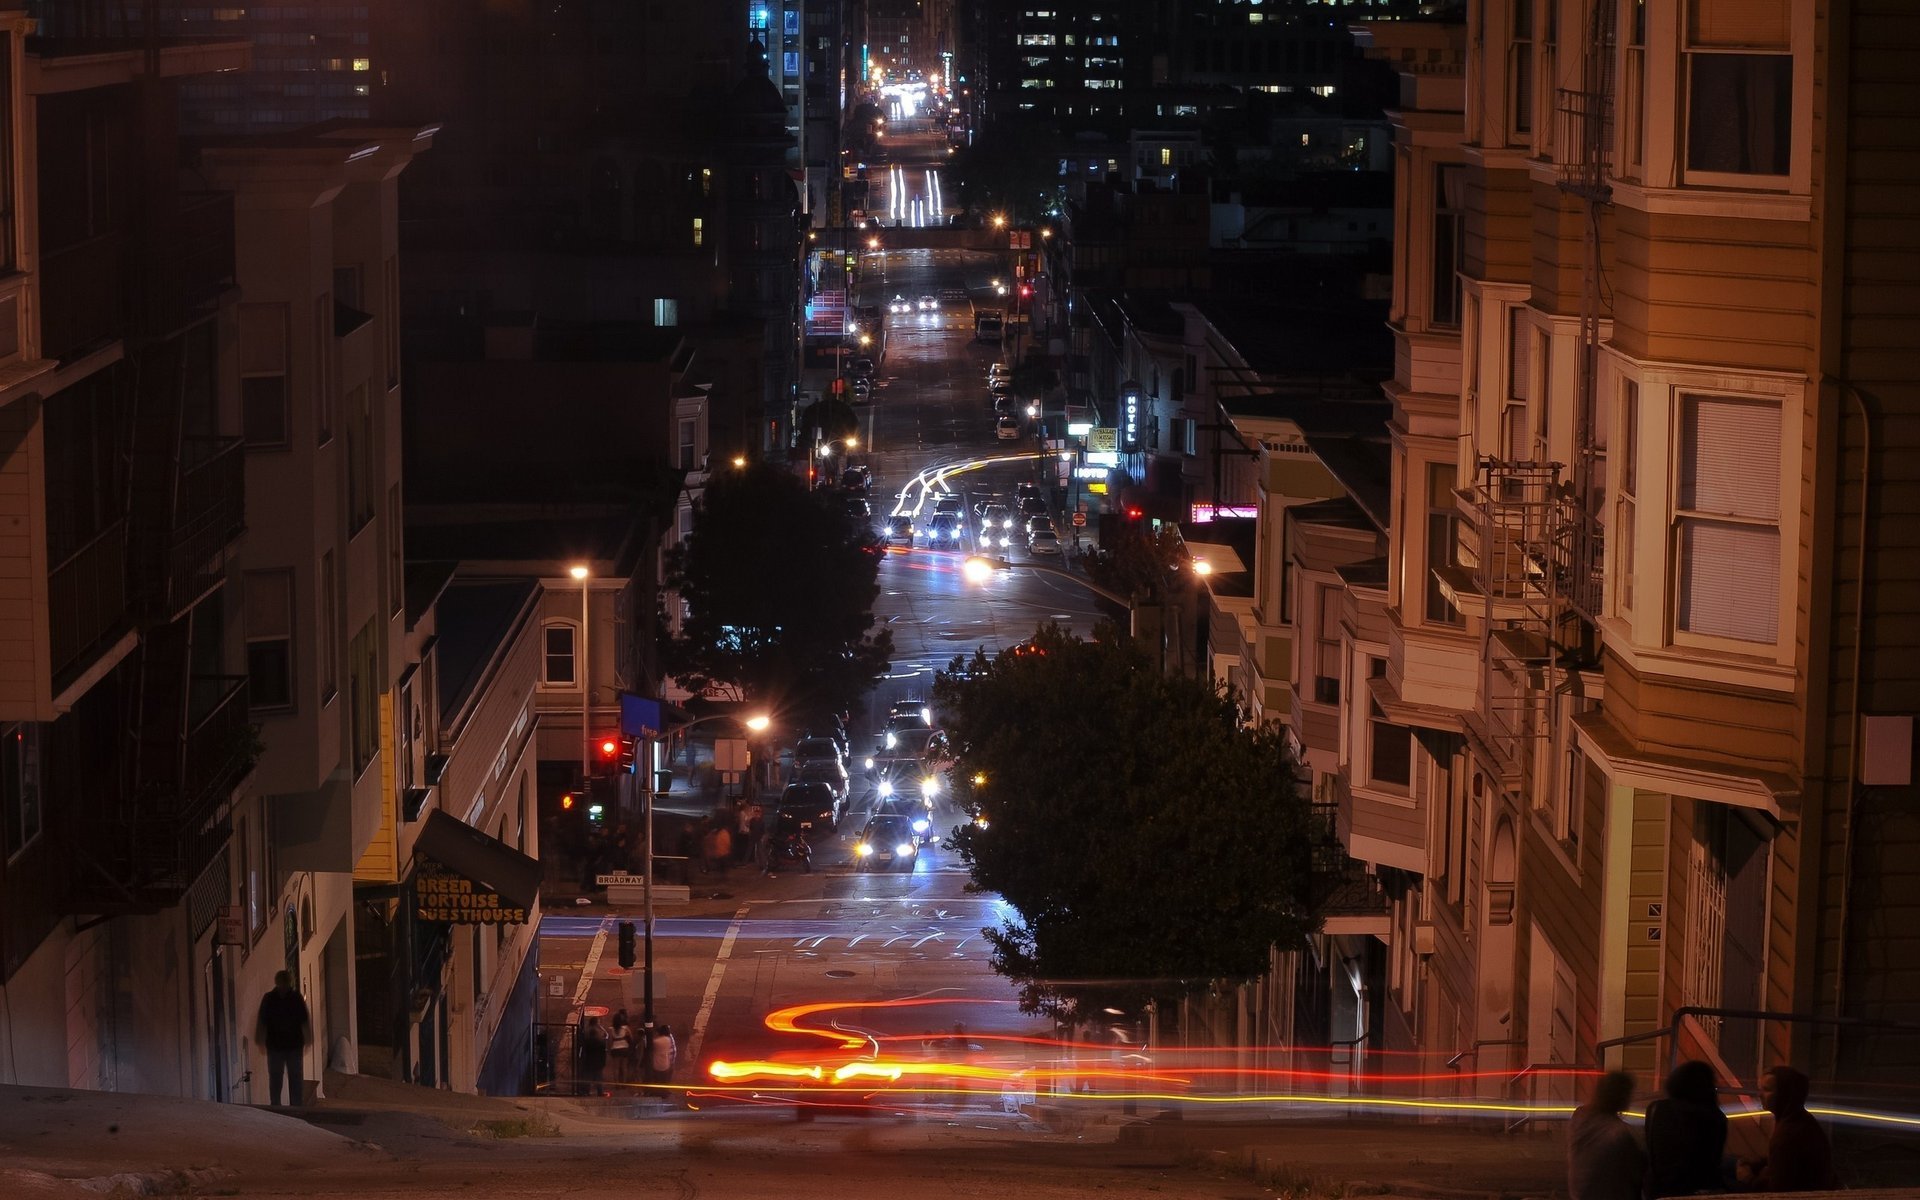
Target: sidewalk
[1370, 1156]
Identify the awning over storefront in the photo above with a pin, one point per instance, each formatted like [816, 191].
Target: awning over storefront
[464, 877]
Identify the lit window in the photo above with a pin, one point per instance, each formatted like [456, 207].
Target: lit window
[699, 231]
[362, 64]
[666, 312]
[1166, 156]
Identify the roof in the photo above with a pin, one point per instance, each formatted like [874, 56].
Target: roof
[423, 584]
[1364, 466]
[473, 620]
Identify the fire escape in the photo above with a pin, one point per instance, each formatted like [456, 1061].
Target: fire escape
[155, 747]
[1536, 541]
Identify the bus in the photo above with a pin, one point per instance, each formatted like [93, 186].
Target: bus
[988, 325]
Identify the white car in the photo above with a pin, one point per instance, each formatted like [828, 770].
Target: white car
[1044, 541]
[1007, 428]
[899, 304]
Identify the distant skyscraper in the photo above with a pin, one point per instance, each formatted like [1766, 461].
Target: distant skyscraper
[312, 61]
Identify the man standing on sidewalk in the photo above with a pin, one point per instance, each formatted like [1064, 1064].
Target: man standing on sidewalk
[284, 1029]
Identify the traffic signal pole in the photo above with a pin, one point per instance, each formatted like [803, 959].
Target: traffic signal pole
[646, 885]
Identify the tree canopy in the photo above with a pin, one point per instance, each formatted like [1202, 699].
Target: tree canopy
[779, 584]
[1146, 844]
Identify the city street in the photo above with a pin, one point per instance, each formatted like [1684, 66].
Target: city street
[748, 945]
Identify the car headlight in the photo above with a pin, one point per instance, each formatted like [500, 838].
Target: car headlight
[869, 765]
[930, 786]
[891, 741]
[863, 849]
[904, 848]
[921, 825]
[926, 714]
[886, 789]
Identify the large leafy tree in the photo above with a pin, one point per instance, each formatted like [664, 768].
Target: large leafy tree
[1147, 845]
[779, 584]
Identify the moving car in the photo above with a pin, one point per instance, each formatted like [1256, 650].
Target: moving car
[1033, 506]
[1026, 490]
[929, 303]
[948, 503]
[943, 532]
[830, 773]
[899, 304]
[905, 780]
[888, 840]
[859, 509]
[1007, 428]
[916, 815]
[857, 479]
[911, 706]
[996, 525]
[900, 530]
[1043, 541]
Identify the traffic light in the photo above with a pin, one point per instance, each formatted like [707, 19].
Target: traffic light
[1134, 512]
[1026, 291]
[607, 752]
[626, 944]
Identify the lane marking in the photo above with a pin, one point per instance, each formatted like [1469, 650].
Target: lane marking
[713, 986]
[591, 965]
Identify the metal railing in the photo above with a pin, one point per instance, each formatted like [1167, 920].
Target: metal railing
[87, 597]
[82, 295]
[209, 517]
[190, 260]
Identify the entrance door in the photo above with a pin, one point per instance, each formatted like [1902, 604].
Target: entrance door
[213, 1003]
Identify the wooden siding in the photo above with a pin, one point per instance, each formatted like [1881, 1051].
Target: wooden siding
[379, 862]
[1561, 890]
[1714, 291]
[1559, 254]
[1708, 722]
[1498, 244]
[1648, 960]
[1868, 964]
[25, 672]
[1438, 668]
[1399, 823]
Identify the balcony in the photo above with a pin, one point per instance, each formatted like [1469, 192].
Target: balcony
[209, 515]
[83, 301]
[189, 261]
[151, 842]
[1348, 898]
[87, 600]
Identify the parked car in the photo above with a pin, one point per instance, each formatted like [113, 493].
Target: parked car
[1044, 542]
[943, 532]
[997, 371]
[900, 530]
[859, 509]
[815, 749]
[1036, 524]
[1007, 428]
[861, 368]
[830, 773]
[886, 840]
[810, 802]
[862, 389]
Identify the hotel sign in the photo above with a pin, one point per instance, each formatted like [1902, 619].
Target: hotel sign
[441, 894]
[1103, 439]
[1131, 403]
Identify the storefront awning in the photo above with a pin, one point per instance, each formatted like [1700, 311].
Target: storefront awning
[465, 877]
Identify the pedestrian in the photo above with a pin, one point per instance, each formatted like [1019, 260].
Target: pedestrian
[620, 1047]
[722, 848]
[1798, 1156]
[746, 824]
[593, 1055]
[1604, 1159]
[662, 1054]
[1686, 1135]
[284, 1029]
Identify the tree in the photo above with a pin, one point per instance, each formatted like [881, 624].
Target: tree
[779, 584]
[1147, 844]
[1140, 561]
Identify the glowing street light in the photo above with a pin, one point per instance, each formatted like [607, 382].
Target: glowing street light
[999, 221]
[1202, 567]
[740, 461]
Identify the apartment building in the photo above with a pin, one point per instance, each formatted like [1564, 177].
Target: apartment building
[1626, 680]
[322, 581]
[132, 877]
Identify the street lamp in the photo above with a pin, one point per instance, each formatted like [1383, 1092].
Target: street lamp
[582, 573]
[999, 221]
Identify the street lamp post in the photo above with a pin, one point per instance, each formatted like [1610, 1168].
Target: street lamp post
[582, 573]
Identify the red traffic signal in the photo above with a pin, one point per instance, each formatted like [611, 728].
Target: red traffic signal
[1134, 513]
[613, 753]
[1026, 290]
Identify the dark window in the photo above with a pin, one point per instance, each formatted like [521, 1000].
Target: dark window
[269, 604]
[22, 812]
[1740, 113]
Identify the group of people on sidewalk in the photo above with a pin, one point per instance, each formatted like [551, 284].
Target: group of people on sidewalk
[736, 836]
[647, 1055]
[1684, 1152]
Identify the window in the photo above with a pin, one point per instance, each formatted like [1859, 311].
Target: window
[689, 430]
[1449, 229]
[396, 558]
[1520, 74]
[22, 811]
[1623, 531]
[1166, 156]
[326, 647]
[322, 369]
[666, 312]
[1515, 445]
[1326, 646]
[390, 319]
[1443, 541]
[1390, 749]
[346, 286]
[1633, 95]
[7, 254]
[269, 604]
[1727, 519]
[557, 649]
[363, 678]
[359, 458]
[699, 231]
[264, 419]
[1739, 78]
